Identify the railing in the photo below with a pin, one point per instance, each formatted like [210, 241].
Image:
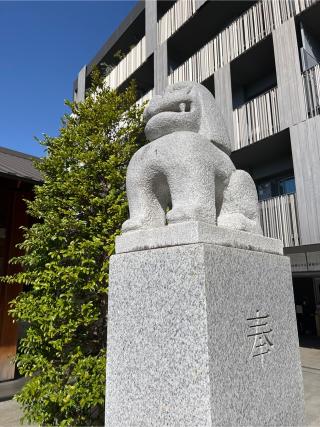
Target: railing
[130, 63]
[252, 26]
[257, 119]
[278, 217]
[311, 84]
[176, 16]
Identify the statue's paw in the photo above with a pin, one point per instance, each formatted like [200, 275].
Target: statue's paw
[132, 224]
[237, 221]
[174, 215]
[180, 214]
[142, 222]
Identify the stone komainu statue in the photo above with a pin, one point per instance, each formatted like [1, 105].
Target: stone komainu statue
[185, 172]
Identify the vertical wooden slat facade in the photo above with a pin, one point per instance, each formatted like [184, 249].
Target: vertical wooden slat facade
[128, 65]
[243, 33]
[290, 89]
[279, 219]
[305, 145]
[257, 119]
[311, 84]
[223, 96]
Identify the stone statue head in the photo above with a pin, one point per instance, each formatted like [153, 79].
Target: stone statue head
[186, 106]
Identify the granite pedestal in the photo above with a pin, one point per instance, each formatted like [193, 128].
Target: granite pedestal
[202, 335]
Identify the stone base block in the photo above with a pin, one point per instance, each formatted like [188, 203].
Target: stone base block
[185, 233]
[202, 335]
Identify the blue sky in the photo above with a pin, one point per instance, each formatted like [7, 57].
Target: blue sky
[43, 45]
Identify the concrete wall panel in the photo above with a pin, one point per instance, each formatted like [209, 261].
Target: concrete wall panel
[80, 95]
[305, 145]
[223, 95]
[199, 3]
[160, 68]
[291, 96]
[151, 26]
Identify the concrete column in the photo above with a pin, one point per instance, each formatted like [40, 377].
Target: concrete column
[223, 96]
[151, 26]
[81, 90]
[306, 160]
[161, 68]
[290, 89]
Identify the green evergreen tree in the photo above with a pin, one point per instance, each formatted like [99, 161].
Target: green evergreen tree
[78, 210]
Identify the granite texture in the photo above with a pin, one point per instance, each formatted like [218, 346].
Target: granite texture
[185, 172]
[194, 232]
[181, 351]
[186, 106]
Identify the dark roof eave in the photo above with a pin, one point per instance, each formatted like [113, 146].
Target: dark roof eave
[27, 179]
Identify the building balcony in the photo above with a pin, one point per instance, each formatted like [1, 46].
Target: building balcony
[279, 219]
[243, 33]
[257, 119]
[176, 16]
[127, 66]
[311, 85]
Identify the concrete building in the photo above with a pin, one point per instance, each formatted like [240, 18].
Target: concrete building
[260, 59]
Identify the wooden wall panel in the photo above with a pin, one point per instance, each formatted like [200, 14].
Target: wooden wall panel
[305, 145]
[8, 329]
[223, 95]
[290, 88]
[160, 68]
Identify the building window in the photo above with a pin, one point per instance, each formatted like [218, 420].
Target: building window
[264, 191]
[287, 185]
[274, 187]
[253, 73]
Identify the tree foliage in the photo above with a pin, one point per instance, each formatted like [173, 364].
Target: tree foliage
[78, 210]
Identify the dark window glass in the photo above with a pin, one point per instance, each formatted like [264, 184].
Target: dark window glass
[287, 186]
[274, 187]
[264, 190]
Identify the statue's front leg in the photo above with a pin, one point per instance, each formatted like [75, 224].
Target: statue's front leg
[147, 194]
[193, 197]
[191, 178]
